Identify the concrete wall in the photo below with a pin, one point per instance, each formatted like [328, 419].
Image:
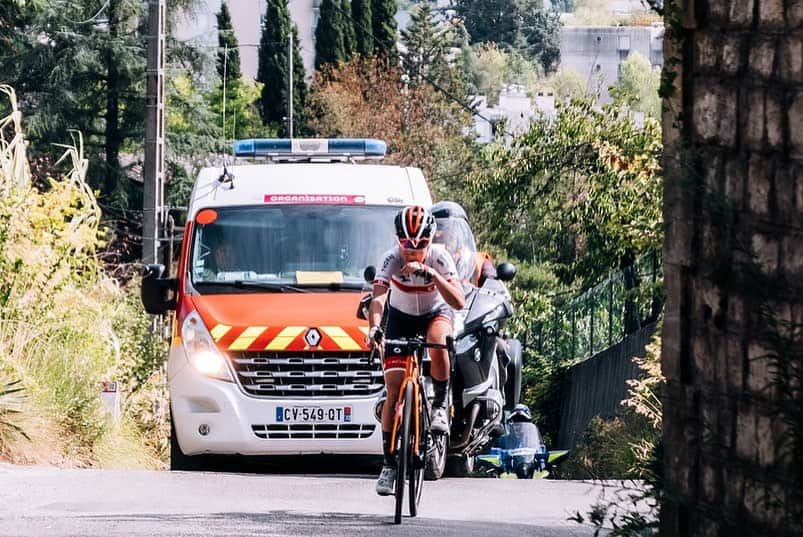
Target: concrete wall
[596, 52]
[597, 386]
[733, 265]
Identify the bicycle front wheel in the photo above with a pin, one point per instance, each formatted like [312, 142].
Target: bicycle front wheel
[403, 454]
[416, 464]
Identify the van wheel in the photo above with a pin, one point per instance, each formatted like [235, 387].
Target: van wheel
[459, 465]
[178, 460]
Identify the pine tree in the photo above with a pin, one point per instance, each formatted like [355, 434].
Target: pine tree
[78, 76]
[272, 70]
[383, 23]
[228, 55]
[363, 27]
[349, 35]
[427, 48]
[329, 38]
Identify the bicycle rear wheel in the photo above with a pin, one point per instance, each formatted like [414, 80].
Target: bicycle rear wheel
[404, 452]
[417, 462]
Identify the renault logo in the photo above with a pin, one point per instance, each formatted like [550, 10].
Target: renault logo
[312, 337]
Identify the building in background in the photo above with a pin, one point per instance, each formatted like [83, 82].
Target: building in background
[597, 52]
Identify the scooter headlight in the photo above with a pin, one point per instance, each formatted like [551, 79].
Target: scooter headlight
[201, 350]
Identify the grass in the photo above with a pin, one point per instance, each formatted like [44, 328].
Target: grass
[65, 326]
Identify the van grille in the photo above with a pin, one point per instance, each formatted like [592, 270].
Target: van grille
[307, 374]
[317, 430]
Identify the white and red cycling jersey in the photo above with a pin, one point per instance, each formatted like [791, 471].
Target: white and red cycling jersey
[415, 294]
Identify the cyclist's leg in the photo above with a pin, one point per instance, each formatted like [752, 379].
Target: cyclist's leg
[439, 328]
[399, 325]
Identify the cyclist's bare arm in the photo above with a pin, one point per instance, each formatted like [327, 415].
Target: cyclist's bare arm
[376, 309]
[451, 291]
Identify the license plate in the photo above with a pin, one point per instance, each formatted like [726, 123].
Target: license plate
[313, 414]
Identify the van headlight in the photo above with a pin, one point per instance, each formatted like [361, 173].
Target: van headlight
[201, 350]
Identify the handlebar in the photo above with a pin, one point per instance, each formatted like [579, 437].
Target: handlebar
[416, 343]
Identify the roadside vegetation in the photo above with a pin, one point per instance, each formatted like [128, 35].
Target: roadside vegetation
[64, 326]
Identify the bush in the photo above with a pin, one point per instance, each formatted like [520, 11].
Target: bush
[64, 325]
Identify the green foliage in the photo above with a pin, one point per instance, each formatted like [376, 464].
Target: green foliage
[363, 27]
[490, 20]
[637, 87]
[272, 70]
[349, 33]
[489, 68]
[568, 84]
[427, 45]
[9, 408]
[542, 34]
[522, 25]
[383, 22]
[580, 191]
[330, 44]
[228, 54]
[73, 73]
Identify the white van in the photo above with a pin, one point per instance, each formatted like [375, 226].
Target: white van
[268, 356]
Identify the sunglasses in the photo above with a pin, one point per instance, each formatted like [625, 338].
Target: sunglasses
[412, 244]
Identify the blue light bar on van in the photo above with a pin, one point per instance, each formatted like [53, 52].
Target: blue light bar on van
[310, 147]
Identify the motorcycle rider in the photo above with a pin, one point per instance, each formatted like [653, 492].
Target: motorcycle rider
[424, 288]
[455, 234]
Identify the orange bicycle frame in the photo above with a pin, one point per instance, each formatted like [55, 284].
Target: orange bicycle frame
[410, 375]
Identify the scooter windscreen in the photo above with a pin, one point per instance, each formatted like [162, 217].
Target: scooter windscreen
[523, 436]
[456, 236]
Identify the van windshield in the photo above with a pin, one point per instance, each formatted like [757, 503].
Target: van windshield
[299, 245]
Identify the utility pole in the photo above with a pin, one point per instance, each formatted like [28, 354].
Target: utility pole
[153, 171]
[290, 86]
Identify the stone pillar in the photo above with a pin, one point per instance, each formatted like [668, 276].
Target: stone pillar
[733, 265]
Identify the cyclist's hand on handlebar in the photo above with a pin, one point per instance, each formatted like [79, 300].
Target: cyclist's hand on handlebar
[374, 337]
[419, 269]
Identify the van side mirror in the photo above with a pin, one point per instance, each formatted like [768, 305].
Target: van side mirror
[158, 293]
[369, 274]
[505, 271]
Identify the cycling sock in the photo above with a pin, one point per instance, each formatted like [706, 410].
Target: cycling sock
[440, 387]
[389, 459]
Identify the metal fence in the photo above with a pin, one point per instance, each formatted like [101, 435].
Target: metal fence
[605, 314]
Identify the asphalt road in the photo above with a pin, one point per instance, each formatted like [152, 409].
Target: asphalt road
[88, 503]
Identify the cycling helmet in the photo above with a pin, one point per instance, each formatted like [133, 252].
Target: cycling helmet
[448, 209]
[520, 413]
[415, 225]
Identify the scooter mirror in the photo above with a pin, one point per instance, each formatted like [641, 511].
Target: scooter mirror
[369, 273]
[506, 271]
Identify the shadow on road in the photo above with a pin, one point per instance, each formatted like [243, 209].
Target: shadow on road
[281, 523]
[329, 465]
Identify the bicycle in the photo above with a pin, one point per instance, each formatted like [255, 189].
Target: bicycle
[410, 436]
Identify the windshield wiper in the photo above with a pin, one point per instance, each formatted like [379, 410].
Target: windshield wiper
[274, 287]
[333, 286]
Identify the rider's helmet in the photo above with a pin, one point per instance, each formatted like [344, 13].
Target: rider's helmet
[448, 209]
[415, 227]
[520, 413]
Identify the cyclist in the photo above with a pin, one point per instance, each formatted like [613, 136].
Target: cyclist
[455, 234]
[424, 288]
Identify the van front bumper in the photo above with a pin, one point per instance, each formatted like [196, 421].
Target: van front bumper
[216, 417]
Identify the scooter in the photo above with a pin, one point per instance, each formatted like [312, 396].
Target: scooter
[487, 372]
[486, 376]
